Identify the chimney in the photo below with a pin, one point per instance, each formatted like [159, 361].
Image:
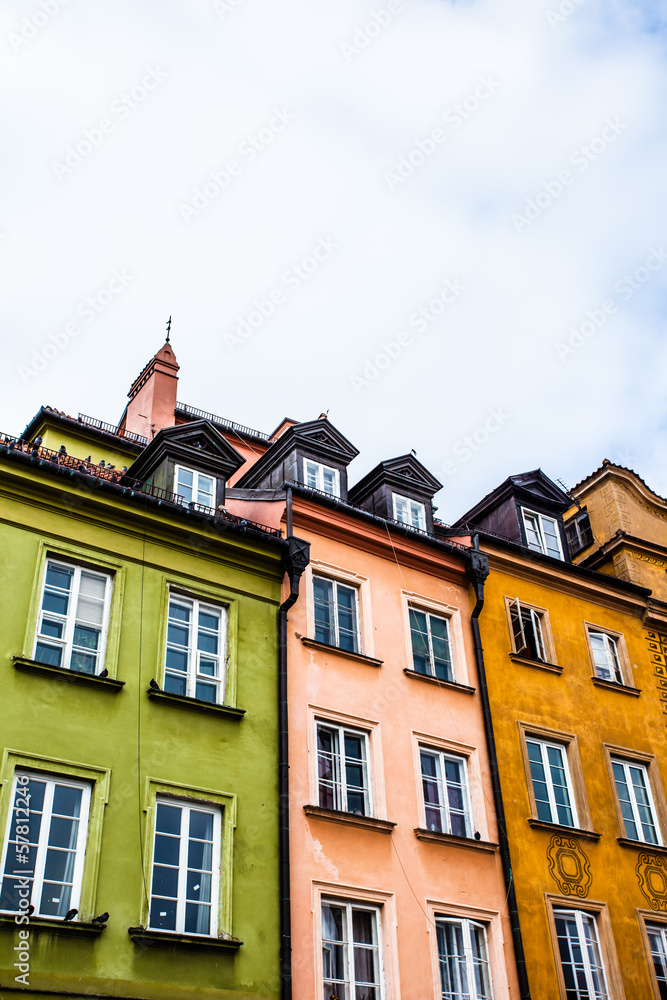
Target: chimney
[152, 396]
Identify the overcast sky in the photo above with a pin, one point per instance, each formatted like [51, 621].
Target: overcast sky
[435, 220]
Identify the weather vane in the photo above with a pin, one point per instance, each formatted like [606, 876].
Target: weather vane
[168, 328]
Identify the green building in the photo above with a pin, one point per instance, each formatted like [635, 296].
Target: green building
[139, 737]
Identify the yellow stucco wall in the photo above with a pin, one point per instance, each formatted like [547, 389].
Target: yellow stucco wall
[570, 702]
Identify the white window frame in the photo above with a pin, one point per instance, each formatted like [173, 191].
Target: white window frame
[660, 931]
[539, 529]
[45, 828]
[466, 925]
[348, 905]
[320, 469]
[543, 744]
[412, 507]
[181, 900]
[340, 785]
[579, 917]
[66, 644]
[626, 763]
[536, 618]
[196, 476]
[612, 648]
[431, 659]
[335, 624]
[196, 605]
[441, 780]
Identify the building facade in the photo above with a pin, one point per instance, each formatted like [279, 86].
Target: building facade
[139, 807]
[580, 733]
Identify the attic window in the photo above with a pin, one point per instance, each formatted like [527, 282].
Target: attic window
[321, 477]
[409, 512]
[542, 533]
[194, 486]
[579, 532]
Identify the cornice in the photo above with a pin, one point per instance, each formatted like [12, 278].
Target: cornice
[594, 588]
[625, 477]
[420, 554]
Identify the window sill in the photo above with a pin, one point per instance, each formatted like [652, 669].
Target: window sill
[615, 686]
[326, 648]
[452, 685]
[540, 664]
[451, 839]
[642, 845]
[350, 819]
[571, 831]
[49, 925]
[196, 704]
[70, 676]
[169, 939]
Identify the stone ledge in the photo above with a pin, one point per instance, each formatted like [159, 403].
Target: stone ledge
[349, 819]
[196, 704]
[69, 676]
[326, 648]
[452, 685]
[169, 939]
[449, 838]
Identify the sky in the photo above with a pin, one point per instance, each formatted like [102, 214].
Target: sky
[442, 222]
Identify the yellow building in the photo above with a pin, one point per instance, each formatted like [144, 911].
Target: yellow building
[580, 735]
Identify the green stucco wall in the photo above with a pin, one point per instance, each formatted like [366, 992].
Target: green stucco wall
[137, 739]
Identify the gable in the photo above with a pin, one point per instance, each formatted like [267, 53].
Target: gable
[199, 445]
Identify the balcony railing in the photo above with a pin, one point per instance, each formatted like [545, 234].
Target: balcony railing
[111, 429]
[192, 411]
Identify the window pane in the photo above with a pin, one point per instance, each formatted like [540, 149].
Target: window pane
[555, 757]
[540, 788]
[51, 656]
[163, 914]
[59, 576]
[421, 657]
[55, 603]
[324, 610]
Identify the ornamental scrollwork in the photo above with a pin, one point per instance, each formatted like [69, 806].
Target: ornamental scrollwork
[569, 866]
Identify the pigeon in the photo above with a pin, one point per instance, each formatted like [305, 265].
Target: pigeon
[104, 673]
[31, 910]
[101, 919]
[70, 915]
[154, 686]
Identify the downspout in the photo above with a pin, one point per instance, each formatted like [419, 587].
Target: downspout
[477, 571]
[295, 560]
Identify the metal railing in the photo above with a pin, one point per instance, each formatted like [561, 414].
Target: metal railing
[119, 477]
[111, 429]
[192, 411]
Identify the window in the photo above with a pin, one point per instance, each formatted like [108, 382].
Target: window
[409, 512]
[636, 801]
[46, 843]
[542, 534]
[446, 796]
[336, 614]
[580, 955]
[194, 486]
[185, 881]
[73, 618]
[579, 533]
[195, 658]
[431, 645]
[606, 658]
[527, 631]
[552, 785]
[342, 769]
[321, 477]
[657, 939]
[351, 951]
[464, 960]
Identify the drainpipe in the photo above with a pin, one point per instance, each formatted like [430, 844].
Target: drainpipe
[477, 571]
[295, 560]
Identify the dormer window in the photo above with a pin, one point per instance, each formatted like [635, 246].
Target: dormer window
[409, 512]
[579, 532]
[194, 486]
[542, 533]
[321, 477]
